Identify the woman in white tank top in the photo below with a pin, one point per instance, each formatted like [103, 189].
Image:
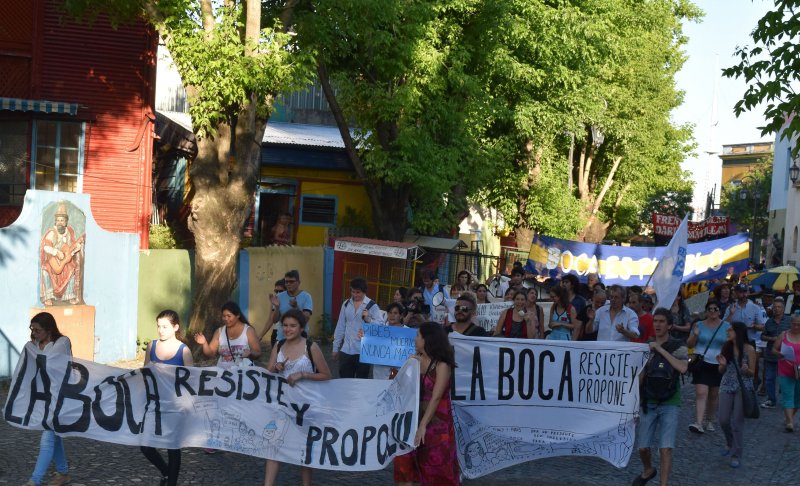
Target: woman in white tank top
[295, 359]
[235, 342]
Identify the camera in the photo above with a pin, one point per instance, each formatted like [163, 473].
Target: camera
[417, 307]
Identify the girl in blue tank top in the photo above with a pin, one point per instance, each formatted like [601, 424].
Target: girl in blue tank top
[167, 349]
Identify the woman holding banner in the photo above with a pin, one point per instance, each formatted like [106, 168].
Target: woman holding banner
[167, 349]
[295, 358]
[234, 342]
[482, 294]
[517, 321]
[47, 339]
[564, 318]
[433, 462]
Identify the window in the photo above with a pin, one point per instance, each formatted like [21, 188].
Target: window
[318, 210]
[57, 156]
[13, 159]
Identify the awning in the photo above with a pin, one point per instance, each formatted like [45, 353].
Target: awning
[39, 106]
[174, 130]
[382, 248]
[435, 243]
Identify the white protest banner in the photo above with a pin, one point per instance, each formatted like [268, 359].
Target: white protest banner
[387, 345]
[346, 424]
[515, 400]
[487, 314]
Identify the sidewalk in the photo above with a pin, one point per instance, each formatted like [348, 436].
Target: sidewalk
[771, 458]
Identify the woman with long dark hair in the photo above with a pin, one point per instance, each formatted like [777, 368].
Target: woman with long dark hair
[234, 342]
[564, 318]
[517, 321]
[482, 294]
[736, 358]
[47, 339]
[295, 359]
[167, 349]
[433, 462]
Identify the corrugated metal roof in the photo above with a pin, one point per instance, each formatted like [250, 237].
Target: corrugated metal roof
[280, 133]
[300, 134]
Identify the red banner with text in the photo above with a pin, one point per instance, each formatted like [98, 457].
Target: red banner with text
[713, 227]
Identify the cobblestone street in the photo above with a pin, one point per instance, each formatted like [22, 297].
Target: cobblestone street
[772, 457]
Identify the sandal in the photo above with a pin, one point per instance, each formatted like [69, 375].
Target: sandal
[641, 481]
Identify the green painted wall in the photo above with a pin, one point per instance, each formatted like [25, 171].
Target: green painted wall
[165, 282]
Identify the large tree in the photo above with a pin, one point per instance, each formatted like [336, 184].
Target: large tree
[233, 61]
[566, 75]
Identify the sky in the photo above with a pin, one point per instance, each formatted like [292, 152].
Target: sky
[712, 42]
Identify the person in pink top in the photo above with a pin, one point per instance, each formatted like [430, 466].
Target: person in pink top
[787, 347]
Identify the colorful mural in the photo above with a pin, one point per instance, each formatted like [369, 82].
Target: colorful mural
[61, 254]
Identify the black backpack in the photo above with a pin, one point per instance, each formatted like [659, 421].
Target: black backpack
[660, 379]
[308, 352]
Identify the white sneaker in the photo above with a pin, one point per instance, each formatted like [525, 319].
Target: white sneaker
[710, 427]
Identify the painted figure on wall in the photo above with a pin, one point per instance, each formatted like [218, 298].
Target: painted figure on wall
[61, 254]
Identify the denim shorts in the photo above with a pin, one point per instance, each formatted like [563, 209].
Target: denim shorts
[664, 418]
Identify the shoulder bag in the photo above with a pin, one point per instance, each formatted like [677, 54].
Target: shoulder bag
[696, 359]
[749, 399]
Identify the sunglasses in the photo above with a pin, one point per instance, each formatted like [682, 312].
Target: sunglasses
[713, 309]
[463, 308]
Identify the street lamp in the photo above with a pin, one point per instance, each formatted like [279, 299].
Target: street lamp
[794, 171]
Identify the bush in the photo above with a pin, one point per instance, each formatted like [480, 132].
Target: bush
[162, 237]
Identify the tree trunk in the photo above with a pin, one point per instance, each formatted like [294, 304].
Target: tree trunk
[532, 160]
[224, 184]
[594, 231]
[388, 203]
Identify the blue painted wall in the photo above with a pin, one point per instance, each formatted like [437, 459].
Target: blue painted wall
[110, 279]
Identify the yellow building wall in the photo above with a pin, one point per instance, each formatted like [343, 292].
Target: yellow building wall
[736, 172]
[343, 185]
[268, 264]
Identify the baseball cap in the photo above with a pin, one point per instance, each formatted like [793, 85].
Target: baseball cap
[740, 287]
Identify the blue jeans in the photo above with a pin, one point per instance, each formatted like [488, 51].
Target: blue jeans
[51, 448]
[770, 376]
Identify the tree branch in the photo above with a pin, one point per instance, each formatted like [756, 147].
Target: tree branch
[609, 180]
[207, 10]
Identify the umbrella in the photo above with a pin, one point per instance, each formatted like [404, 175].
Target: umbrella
[777, 278]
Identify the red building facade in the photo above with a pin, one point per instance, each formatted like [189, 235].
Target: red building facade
[77, 112]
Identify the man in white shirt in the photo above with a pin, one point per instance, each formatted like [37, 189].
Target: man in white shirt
[614, 321]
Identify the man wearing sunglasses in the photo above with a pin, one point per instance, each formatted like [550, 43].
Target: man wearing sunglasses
[466, 304]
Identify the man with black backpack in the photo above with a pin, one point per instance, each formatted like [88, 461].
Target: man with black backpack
[660, 397]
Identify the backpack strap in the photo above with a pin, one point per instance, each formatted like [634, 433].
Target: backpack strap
[371, 304]
[310, 356]
[308, 351]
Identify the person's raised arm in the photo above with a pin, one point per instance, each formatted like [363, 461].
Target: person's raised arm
[443, 373]
[209, 349]
[274, 315]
